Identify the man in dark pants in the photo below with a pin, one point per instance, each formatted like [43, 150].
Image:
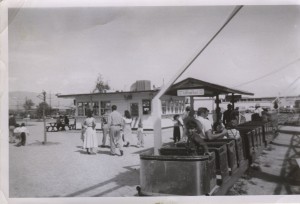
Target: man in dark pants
[227, 115]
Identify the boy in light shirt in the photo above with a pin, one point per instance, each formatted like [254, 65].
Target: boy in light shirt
[23, 131]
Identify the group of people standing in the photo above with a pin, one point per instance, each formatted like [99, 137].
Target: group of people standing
[115, 125]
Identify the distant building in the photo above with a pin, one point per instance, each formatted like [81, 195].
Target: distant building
[141, 85]
[137, 102]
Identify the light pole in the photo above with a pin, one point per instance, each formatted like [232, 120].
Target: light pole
[43, 97]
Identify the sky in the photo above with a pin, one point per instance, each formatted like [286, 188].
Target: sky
[63, 49]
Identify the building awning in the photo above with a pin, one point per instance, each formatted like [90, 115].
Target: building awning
[201, 89]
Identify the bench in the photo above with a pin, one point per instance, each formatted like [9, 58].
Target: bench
[72, 126]
[51, 127]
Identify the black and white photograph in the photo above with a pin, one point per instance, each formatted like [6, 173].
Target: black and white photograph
[156, 103]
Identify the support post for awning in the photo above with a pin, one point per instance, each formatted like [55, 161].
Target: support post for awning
[156, 116]
[217, 108]
[192, 102]
[232, 96]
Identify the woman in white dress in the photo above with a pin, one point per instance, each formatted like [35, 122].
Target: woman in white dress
[90, 142]
[127, 128]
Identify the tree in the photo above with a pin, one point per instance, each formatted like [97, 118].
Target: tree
[276, 104]
[101, 86]
[28, 104]
[39, 110]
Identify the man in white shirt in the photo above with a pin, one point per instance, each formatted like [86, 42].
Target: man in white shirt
[202, 115]
[115, 122]
[258, 109]
[23, 131]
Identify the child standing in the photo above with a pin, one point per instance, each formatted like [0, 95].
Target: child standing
[140, 134]
[176, 130]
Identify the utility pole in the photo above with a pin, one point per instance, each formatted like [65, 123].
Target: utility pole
[43, 97]
[50, 105]
[44, 118]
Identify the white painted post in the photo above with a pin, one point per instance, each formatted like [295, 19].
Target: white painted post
[156, 114]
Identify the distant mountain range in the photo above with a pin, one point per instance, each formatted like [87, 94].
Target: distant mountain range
[18, 98]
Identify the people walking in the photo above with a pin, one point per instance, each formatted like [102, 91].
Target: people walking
[127, 128]
[140, 134]
[90, 142]
[115, 122]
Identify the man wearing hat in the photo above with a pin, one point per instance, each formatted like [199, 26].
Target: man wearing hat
[207, 125]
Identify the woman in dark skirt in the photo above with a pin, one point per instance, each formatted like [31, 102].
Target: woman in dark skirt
[176, 130]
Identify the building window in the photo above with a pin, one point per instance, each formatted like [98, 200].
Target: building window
[164, 106]
[95, 106]
[80, 109]
[86, 107]
[105, 106]
[134, 109]
[83, 107]
[146, 107]
[172, 106]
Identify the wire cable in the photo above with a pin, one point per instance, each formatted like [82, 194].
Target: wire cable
[182, 70]
[266, 75]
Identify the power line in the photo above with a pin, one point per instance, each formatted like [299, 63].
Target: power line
[291, 84]
[266, 75]
[181, 71]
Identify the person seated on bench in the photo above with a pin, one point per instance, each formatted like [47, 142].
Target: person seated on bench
[232, 132]
[67, 121]
[207, 126]
[193, 132]
[60, 123]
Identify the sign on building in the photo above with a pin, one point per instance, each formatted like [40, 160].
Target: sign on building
[235, 98]
[190, 92]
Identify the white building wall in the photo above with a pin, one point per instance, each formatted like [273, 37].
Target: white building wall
[122, 101]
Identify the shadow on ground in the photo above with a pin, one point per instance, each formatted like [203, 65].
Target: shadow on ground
[39, 143]
[129, 178]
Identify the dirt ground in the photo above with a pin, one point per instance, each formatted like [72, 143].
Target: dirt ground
[62, 169]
